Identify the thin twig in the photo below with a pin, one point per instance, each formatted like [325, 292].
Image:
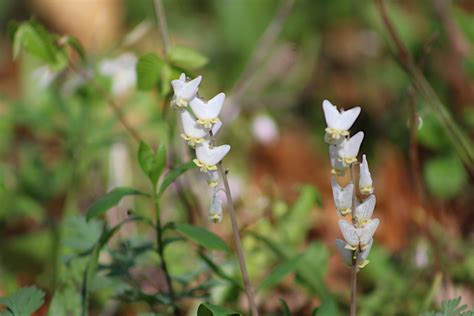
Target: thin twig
[263, 47]
[460, 140]
[163, 26]
[110, 102]
[238, 244]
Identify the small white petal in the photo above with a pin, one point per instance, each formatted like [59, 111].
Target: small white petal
[216, 127]
[210, 109]
[215, 211]
[190, 127]
[122, 71]
[338, 168]
[349, 233]
[342, 197]
[212, 178]
[345, 253]
[349, 149]
[185, 91]
[367, 232]
[365, 210]
[211, 156]
[341, 121]
[365, 179]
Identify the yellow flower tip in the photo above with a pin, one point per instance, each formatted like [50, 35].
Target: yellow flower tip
[349, 160]
[211, 168]
[181, 103]
[367, 190]
[213, 184]
[349, 247]
[198, 163]
[363, 264]
[364, 221]
[215, 218]
[185, 137]
[345, 211]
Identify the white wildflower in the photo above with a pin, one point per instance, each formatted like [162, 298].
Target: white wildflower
[338, 168]
[358, 238]
[365, 210]
[347, 254]
[215, 211]
[365, 179]
[338, 122]
[207, 158]
[207, 112]
[349, 149]
[193, 133]
[184, 91]
[342, 197]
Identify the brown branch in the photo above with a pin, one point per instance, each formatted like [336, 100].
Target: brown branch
[263, 47]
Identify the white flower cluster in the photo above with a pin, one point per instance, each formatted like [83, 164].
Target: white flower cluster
[200, 122]
[343, 152]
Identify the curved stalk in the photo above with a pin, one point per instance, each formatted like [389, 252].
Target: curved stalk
[353, 304]
[238, 244]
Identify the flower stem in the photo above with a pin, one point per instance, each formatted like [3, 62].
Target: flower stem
[238, 243]
[353, 305]
[161, 253]
[161, 17]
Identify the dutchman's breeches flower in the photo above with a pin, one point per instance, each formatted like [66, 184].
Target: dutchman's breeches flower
[343, 153]
[200, 123]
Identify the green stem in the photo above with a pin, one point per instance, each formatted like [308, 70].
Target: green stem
[161, 252]
[353, 305]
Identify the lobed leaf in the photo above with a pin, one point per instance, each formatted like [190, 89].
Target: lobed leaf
[207, 309]
[23, 302]
[152, 163]
[186, 58]
[149, 67]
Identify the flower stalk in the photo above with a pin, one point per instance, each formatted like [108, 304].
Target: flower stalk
[200, 123]
[238, 244]
[358, 232]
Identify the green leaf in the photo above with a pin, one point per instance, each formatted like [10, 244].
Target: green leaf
[186, 58]
[148, 70]
[285, 308]
[152, 163]
[327, 308]
[202, 237]
[174, 174]
[109, 200]
[280, 272]
[445, 177]
[207, 309]
[33, 38]
[23, 302]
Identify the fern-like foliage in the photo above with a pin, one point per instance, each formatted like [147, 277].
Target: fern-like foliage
[451, 308]
[24, 302]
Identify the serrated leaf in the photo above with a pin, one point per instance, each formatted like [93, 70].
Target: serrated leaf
[174, 174]
[186, 58]
[24, 302]
[207, 309]
[152, 163]
[202, 237]
[280, 272]
[148, 70]
[109, 200]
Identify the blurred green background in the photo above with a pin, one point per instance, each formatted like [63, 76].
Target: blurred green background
[61, 148]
